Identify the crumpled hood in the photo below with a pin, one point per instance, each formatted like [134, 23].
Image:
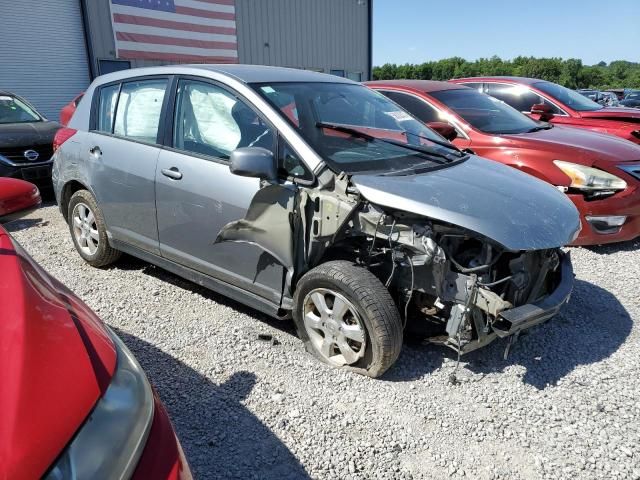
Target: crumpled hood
[56, 359]
[578, 145]
[512, 208]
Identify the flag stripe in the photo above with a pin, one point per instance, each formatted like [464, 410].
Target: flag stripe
[172, 57]
[172, 33]
[153, 22]
[174, 49]
[184, 42]
[169, 16]
[215, 7]
[205, 13]
[219, 2]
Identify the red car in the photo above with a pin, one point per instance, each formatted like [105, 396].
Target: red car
[599, 173]
[69, 109]
[554, 103]
[17, 197]
[74, 401]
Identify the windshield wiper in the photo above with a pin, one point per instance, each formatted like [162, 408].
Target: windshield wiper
[354, 131]
[546, 126]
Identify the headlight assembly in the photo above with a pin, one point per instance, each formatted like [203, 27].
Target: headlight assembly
[588, 179]
[111, 440]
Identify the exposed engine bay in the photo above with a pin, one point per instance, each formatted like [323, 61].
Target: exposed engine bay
[454, 284]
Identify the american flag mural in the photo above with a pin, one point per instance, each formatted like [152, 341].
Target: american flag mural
[199, 31]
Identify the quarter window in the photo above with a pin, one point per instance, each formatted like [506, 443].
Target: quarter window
[107, 107]
[211, 121]
[138, 110]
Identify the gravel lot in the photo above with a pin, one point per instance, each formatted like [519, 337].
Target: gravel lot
[564, 405]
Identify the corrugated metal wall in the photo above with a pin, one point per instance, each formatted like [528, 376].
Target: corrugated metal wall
[314, 34]
[43, 56]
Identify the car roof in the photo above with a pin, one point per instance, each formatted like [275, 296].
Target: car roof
[4, 92]
[522, 80]
[243, 73]
[420, 85]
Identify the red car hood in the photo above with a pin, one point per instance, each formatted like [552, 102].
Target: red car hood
[56, 359]
[579, 146]
[631, 115]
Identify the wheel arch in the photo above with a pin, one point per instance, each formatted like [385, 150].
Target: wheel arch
[69, 188]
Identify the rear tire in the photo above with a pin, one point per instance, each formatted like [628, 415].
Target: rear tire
[89, 231]
[347, 318]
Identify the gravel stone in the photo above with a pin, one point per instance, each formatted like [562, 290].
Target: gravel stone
[564, 405]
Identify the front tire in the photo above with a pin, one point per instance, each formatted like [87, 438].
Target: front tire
[347, 318]
[89, 231]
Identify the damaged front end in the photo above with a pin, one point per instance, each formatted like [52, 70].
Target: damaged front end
[460, 289]
[457, 287]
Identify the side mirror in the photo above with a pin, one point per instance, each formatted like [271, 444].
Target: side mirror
[253, 162]
[543, 109]
[444, 129]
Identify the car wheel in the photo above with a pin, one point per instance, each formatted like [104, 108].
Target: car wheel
[88, 230]
[347, 318]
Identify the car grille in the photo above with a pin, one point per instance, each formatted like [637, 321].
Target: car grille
[16, 154]
[633, 170]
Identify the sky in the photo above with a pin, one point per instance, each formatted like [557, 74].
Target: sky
[415, 31]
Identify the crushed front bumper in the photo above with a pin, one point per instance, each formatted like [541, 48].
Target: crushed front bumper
[514, 320]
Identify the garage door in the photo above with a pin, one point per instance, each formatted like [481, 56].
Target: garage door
[43, 55]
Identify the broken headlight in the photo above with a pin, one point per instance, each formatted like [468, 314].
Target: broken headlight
[588, 179]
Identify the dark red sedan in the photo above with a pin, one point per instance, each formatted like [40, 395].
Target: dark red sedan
[559, 105]
[74, 402]
[600, 173]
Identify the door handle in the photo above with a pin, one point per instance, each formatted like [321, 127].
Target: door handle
[172, 172]
[95, 151]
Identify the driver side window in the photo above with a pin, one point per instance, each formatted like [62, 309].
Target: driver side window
[518, 96]
[211, 121]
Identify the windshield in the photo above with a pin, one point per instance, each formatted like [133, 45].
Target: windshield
[570, 98]
[13, 110]
[355, 129]
[485, 113]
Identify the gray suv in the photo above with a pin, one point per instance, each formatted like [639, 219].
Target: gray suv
[310, 196]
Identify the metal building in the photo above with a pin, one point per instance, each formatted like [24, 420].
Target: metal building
[80, 39]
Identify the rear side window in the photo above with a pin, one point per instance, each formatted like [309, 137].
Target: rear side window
[138, 110]
[107, 108]
[419, 108]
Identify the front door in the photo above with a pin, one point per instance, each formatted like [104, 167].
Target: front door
[197, 195]
[122, 156]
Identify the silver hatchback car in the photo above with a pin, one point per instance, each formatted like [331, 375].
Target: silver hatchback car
[310, 196]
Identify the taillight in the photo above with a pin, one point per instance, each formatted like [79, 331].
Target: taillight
[62, 136]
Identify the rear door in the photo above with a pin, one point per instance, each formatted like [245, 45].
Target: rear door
[197, 195]
[122, 154]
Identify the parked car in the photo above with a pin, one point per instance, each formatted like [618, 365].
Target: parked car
[632, 99]
[307, 195]
[600, 173]
[26, 141]
[595, 95]
[551, 102]
[17, 198]
[69, 109]
[618, 92]
[609, 99]
[75, 402]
